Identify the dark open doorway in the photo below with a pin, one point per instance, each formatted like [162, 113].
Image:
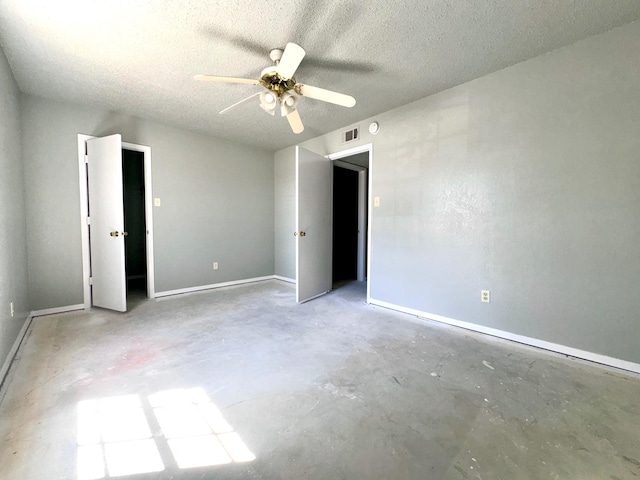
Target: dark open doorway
[350, 220]
[345, 224]
[134, 222]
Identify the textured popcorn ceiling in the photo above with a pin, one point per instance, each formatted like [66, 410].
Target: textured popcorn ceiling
[139, 57]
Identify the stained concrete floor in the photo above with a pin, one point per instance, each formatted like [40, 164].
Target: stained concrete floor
[333, 389]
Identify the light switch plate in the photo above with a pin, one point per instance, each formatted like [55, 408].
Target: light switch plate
[376, 201]
[156, 202]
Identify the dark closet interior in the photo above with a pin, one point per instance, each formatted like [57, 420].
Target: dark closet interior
[134, 221]
[345, 224]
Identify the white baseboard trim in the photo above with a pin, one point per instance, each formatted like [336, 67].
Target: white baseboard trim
[285, 279]
[533, 342]
[51, 311]
[180, 291]
[14, 349]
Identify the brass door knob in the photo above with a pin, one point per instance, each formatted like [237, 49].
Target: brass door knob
[114, 234]
[303, 234]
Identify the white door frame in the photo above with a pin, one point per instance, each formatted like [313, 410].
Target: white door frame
[84, 225]
[361, 213]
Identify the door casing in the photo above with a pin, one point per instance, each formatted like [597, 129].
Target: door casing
[84, 228]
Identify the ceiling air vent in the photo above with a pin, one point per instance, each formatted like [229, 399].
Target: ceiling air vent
[351, 135]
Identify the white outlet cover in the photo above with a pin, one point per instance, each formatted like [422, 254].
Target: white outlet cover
[485, 296]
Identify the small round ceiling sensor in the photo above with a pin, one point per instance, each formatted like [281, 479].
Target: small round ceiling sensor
[374, 128]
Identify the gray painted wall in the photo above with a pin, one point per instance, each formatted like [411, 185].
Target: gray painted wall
[285, 211]
[217, 202]
[13, 249]
[525, 182]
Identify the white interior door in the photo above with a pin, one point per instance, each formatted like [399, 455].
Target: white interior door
[313, 224]
[106, 210]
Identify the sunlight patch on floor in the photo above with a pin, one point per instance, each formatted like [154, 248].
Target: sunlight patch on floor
[114, 436]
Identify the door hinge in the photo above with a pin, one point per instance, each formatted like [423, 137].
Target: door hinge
[88, 220]
[90, 280]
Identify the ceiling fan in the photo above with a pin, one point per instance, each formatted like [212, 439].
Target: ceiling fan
[278, 80]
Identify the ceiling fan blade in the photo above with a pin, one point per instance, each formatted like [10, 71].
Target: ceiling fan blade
[291, 58]
[213, 78]
[295, 122]
[241, 102]
[325, 95]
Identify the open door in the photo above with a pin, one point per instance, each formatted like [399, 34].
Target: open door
[104, 178]
[313, 224]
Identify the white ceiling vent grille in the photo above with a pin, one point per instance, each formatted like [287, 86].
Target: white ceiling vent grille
[351, 135]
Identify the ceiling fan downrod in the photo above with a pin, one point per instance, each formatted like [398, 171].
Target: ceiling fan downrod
[275, 55]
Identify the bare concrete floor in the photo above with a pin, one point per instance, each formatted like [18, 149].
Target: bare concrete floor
[332, 389]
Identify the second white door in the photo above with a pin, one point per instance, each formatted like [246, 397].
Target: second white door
[104, 181]
[313, 225]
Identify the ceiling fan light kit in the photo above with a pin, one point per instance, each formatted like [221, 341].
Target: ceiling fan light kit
[288, 103]
[268, 102]
[278, 80]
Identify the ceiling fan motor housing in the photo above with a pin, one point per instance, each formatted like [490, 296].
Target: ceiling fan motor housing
[271, 80]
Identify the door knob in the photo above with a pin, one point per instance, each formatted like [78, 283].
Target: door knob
[303, 234]
[114, 234]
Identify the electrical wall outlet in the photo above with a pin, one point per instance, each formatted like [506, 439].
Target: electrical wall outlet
[485, 296]
[11, 308]
[215, 265]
